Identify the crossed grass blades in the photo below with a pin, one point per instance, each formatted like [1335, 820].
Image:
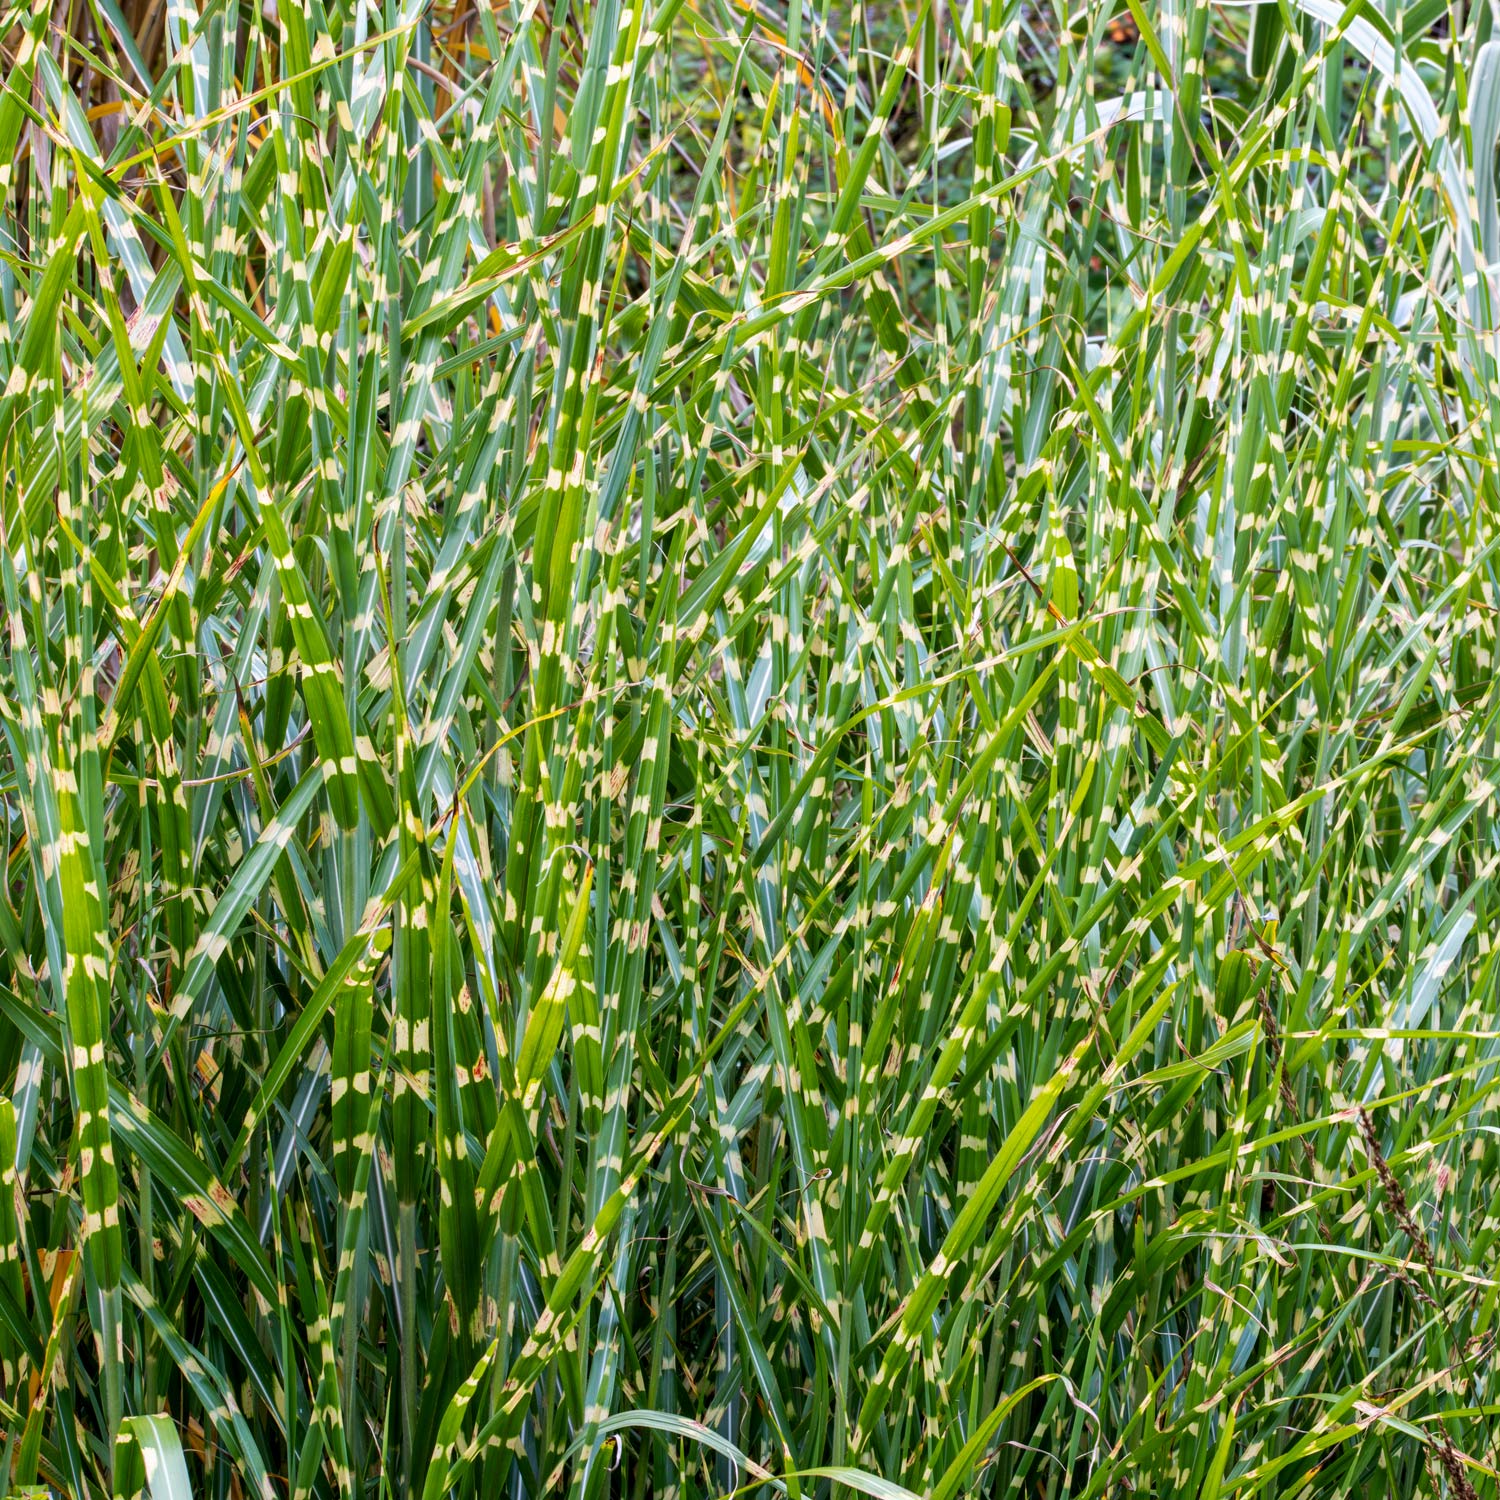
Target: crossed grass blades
[748, 750]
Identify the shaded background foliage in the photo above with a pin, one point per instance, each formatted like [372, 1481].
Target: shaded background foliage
[748, 746]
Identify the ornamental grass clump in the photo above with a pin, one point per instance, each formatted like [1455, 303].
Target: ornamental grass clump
[749, 748]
